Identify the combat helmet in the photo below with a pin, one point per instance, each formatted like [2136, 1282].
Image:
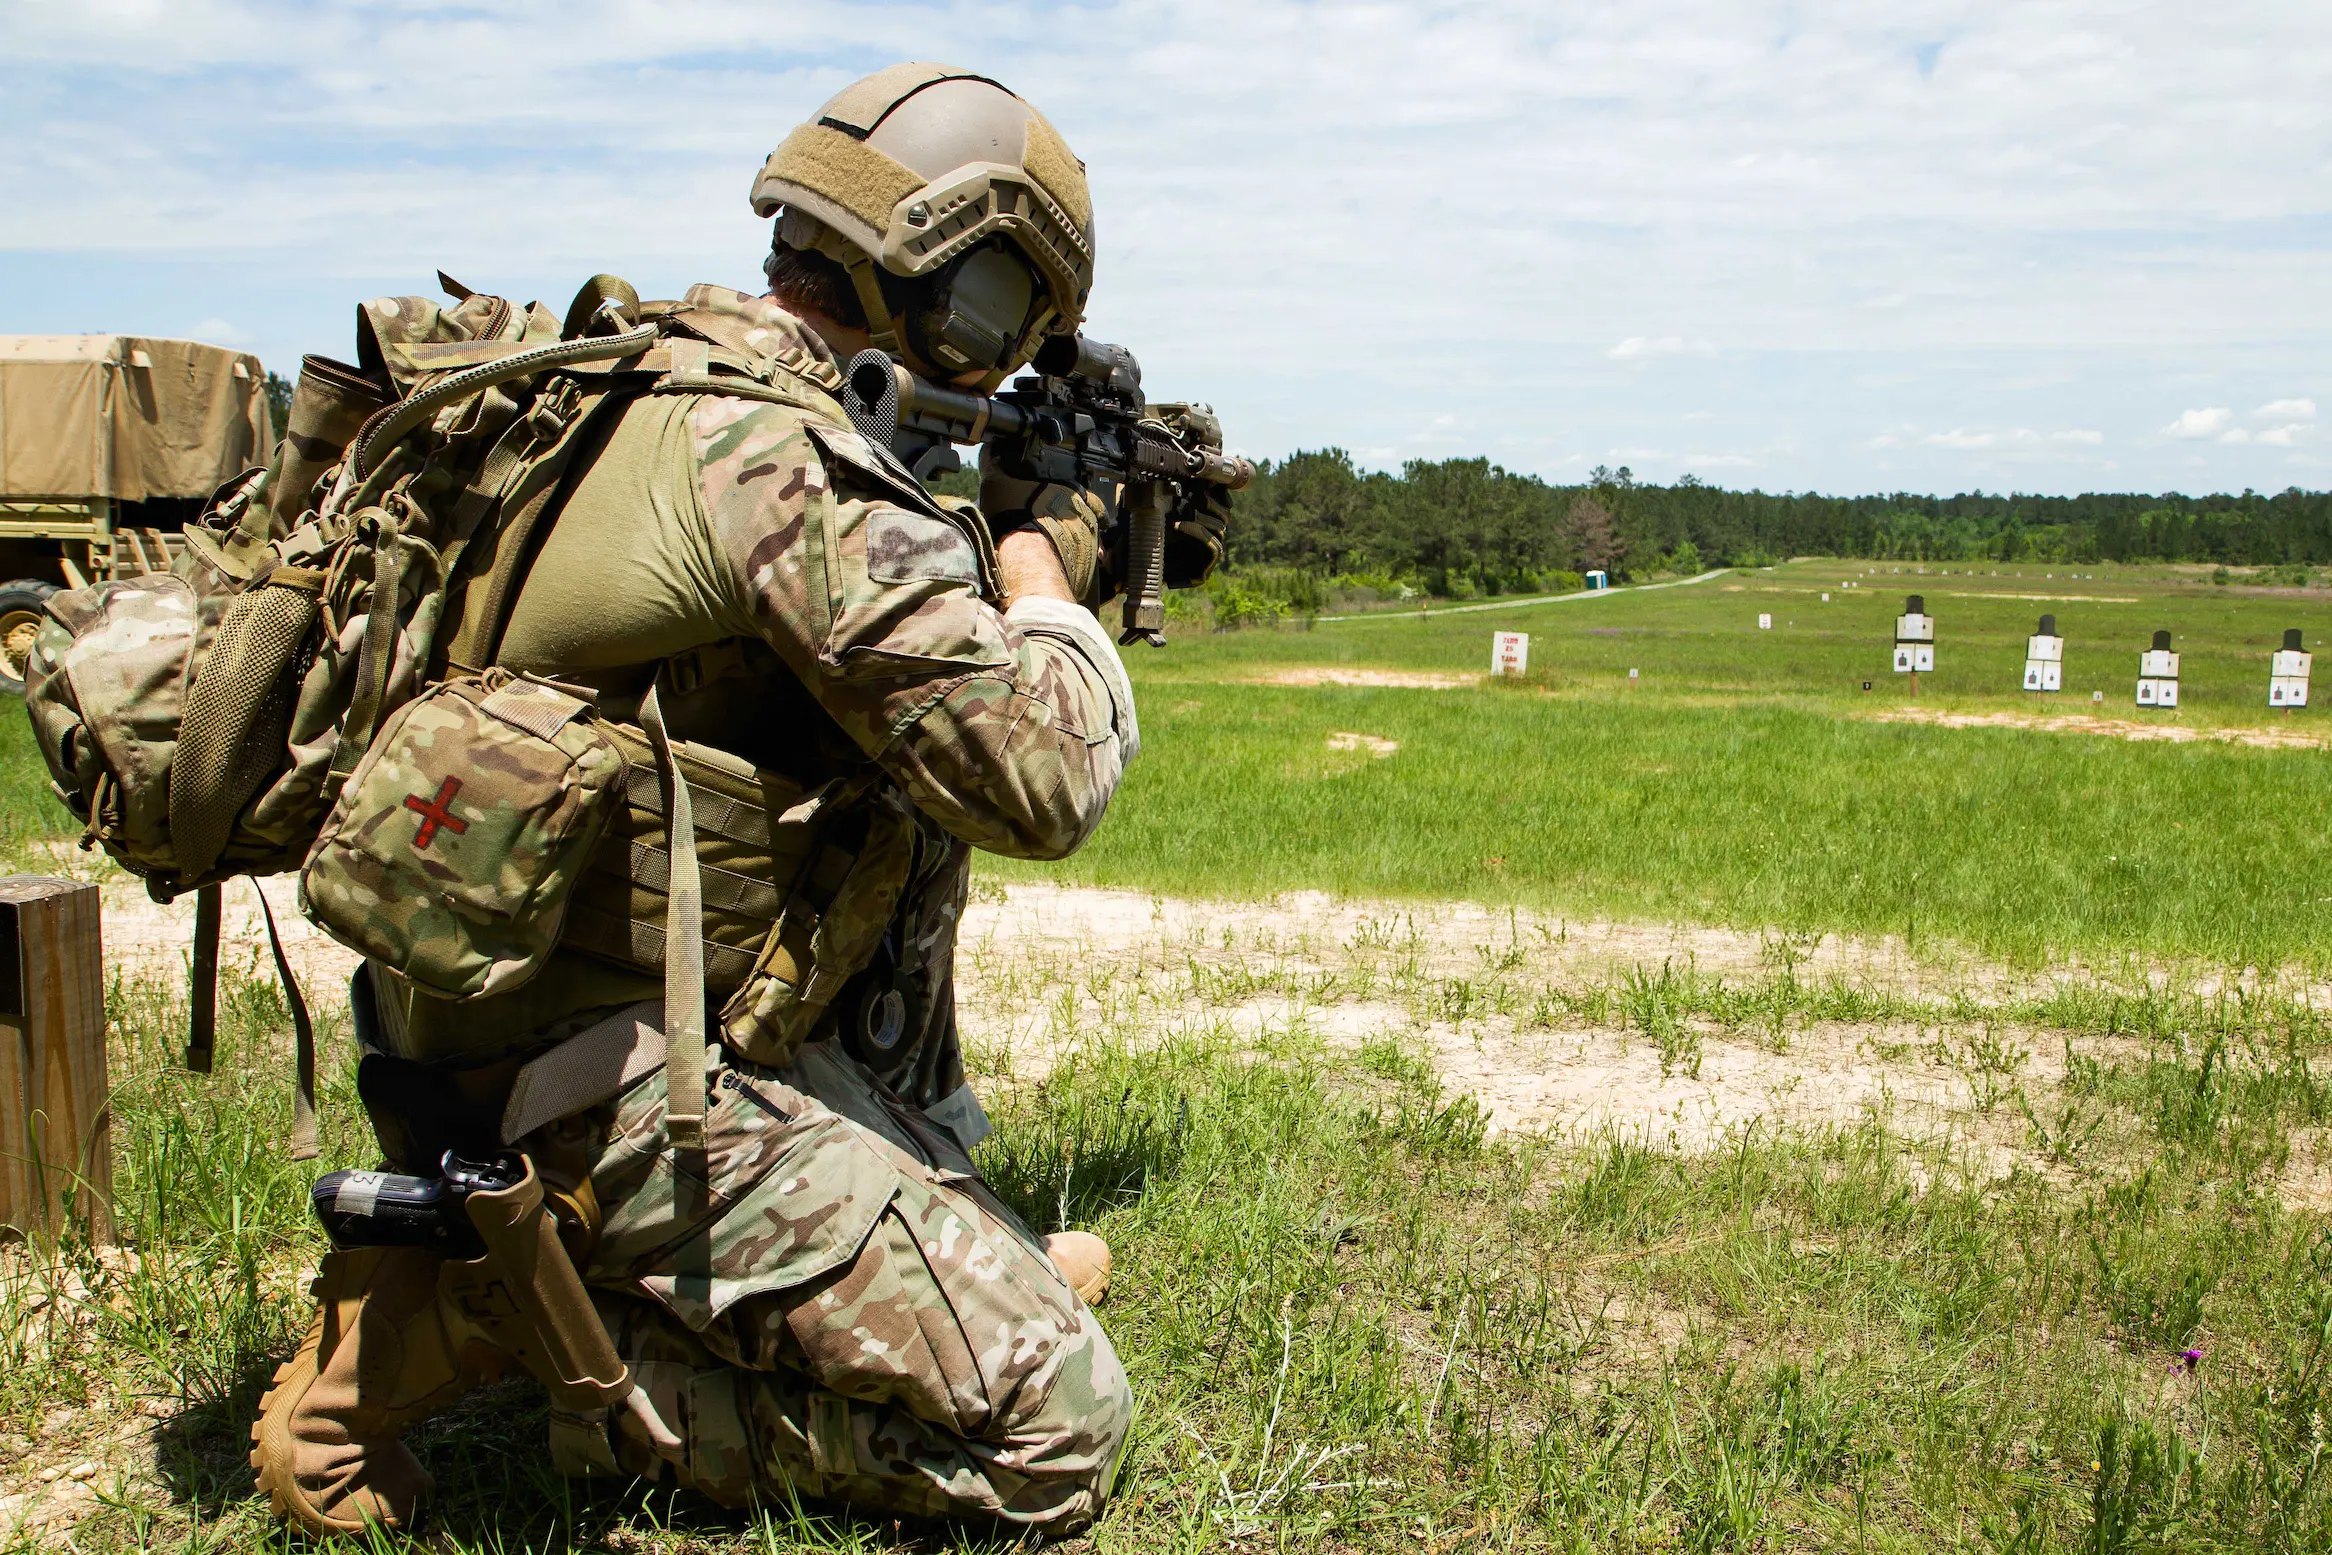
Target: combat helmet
[961, 215]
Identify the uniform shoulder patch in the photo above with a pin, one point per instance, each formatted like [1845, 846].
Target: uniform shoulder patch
[909, 548]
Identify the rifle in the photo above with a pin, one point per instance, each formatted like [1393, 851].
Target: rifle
[1078, 420]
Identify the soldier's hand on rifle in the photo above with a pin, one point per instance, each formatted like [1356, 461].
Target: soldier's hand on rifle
[1202, 510]
[1069, 516]
[1194, 545]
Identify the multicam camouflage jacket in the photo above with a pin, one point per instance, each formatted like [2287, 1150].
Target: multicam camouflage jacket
[820, 617]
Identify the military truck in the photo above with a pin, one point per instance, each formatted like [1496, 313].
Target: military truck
[108, 445]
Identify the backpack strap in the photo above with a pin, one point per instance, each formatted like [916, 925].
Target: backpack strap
[203, 996]
[203, 1029]
[303, 1140]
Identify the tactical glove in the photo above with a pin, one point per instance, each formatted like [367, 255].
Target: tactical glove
[1194, 545]
[1069, 516]
[1202, 510]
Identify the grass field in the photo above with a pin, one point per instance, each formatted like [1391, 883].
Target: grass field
[1745, 778]
[2084, 1307]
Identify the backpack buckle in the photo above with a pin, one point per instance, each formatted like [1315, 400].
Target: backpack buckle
[553, 411]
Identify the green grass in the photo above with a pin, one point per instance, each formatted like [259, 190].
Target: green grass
[1357, 1320]
[32, 822]
[1742, 781]
[1703, 638]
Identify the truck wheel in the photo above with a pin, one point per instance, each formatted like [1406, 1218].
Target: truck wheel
[20, 619]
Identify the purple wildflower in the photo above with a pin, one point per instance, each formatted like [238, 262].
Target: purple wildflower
[2192, 1358]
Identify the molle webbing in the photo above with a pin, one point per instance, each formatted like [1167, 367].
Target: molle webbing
[750, 864]
[724, 890]
[639, 941]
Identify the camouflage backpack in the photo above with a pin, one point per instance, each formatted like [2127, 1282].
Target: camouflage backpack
[203, 722]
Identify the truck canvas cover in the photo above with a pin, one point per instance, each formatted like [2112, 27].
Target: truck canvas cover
[127, 417]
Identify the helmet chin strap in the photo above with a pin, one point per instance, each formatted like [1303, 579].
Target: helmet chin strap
[866, 280]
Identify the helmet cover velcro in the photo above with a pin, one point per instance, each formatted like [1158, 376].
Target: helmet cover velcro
[850, 174]
[1051, 163]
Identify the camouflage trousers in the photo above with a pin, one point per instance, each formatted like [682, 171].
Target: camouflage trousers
[829, 1302]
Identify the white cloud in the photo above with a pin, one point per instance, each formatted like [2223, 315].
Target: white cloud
[2287, 410]
[1494, 187]
[1638, 348]
[220, 332]
[2201, 423]
[1994, 437]
[2279, 437]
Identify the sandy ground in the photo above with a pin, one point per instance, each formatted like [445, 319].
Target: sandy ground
[1022, 950]
[2269, 737]
[146, 936]
[1399, 680]
[2112, 728]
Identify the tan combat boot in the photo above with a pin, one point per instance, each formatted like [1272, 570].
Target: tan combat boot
[383, 1354]
[1083, 1260]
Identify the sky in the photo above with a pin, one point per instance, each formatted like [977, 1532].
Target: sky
[2044, 247]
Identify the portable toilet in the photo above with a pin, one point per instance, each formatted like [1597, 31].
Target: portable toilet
[1598, 579]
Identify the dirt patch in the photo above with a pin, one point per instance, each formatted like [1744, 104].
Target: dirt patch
[146, 937]
[80, 1455]
[1370, 744]
[2109, 728]
[1458, 986]
[1542, 1021]
[2046, 599]
[1396, 680]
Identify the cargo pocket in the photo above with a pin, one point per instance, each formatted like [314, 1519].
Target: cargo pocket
[786, 1196]
[457, 840]
[1010, 1307]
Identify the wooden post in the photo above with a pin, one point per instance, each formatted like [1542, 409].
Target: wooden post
[55, 1126]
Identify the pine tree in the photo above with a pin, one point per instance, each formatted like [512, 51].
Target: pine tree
[1590, 536]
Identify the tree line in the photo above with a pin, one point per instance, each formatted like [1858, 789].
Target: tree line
[1468, 525]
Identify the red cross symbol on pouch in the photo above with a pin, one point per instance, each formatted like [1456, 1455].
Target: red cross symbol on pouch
[433, 813]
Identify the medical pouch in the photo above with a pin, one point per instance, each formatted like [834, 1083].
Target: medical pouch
[454, 846]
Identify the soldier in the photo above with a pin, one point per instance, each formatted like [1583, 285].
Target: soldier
[837, 1306]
